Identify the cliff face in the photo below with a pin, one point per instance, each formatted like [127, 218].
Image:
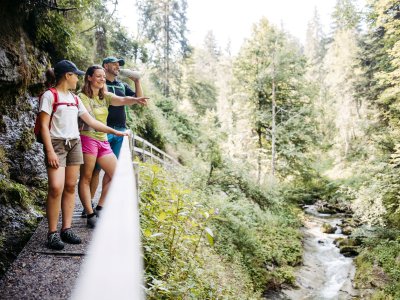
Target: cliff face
[22, 171]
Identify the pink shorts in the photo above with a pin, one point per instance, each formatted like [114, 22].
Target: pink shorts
[94, 147]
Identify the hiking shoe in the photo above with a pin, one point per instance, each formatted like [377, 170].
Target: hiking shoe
[83, 214]
[98, 211]
[54, 241]
[91, 222]
[70, 237]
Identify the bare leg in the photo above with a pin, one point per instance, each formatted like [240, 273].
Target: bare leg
[94, 183]
[84, 182]
[68, 196]
[108, 163]
[56, 186]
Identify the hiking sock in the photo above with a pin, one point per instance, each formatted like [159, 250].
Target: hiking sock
[98, 207]
[89, 216]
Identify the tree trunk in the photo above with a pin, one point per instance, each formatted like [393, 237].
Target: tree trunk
[273, 131]
[166, 49]
[259, 156]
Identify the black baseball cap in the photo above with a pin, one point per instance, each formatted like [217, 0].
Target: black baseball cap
[112, 59]
[66, 66]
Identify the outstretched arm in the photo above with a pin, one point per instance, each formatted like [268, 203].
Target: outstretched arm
[92, 122]
[119, 101]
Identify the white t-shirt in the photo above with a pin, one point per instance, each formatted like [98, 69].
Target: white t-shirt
[64, 124]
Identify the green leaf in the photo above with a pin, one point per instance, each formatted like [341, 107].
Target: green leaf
[162, 216]
[147, 232]
[209, 235]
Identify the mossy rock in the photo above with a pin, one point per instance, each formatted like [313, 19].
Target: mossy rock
[17, 194]
[339, 241]
[349, 251]
[328, 228]
[347, 230]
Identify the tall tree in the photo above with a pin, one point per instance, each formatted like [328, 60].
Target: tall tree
[342, 71]
[380, 85]
[345, 15]
[163, 24]
[270, 70]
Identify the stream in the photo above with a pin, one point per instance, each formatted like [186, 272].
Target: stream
[325, 273]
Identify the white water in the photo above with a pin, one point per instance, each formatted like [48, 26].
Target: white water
[326, 274]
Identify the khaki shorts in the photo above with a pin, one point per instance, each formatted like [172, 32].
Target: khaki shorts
[69, 152]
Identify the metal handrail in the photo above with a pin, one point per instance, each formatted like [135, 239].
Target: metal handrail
[165, 158]
[113, 267]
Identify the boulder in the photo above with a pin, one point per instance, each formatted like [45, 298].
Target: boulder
[349, 251]
[328, 228]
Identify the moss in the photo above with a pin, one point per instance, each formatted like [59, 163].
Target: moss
[26, 140]
[17, 194]
[3, 163]
[3, 125]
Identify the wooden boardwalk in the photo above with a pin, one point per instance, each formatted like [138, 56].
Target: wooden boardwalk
[42, 273]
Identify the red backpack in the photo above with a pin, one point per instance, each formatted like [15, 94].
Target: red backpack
[56, 104]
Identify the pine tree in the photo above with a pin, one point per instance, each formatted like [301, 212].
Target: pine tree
[163, 24]
[270, 71]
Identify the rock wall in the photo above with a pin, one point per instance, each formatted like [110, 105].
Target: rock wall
[22, 172]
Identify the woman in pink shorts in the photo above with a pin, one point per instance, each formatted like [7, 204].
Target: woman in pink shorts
[95, 146]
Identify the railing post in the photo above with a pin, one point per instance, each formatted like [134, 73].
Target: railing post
[136, 171]
[132, 146]
[143, 148]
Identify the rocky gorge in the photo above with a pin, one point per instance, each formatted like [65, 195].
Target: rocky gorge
[22, 172]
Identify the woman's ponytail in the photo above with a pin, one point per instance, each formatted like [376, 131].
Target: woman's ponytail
[50, 78]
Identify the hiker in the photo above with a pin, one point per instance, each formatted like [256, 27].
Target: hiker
[58, 130]
[95, 145]
[116, 114]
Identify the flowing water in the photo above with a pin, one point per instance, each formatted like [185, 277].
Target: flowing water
[326, 274]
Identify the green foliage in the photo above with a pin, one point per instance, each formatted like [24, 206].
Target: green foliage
[123, 45]
[203, 94]
[163, 24]
[143, 122]
[345, 15]
[176, 228]
[270, 72]
[378, 266]
[260, 238]
[55, 32]
[238, 185]
[180, 123]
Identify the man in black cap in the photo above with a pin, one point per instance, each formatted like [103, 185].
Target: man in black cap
[116, 114]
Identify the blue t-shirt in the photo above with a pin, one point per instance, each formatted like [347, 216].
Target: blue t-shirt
[116, 114]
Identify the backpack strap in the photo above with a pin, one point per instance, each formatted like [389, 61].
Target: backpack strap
[55, 103]
[120, 86]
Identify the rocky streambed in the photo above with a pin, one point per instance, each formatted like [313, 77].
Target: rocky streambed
[326, 273]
